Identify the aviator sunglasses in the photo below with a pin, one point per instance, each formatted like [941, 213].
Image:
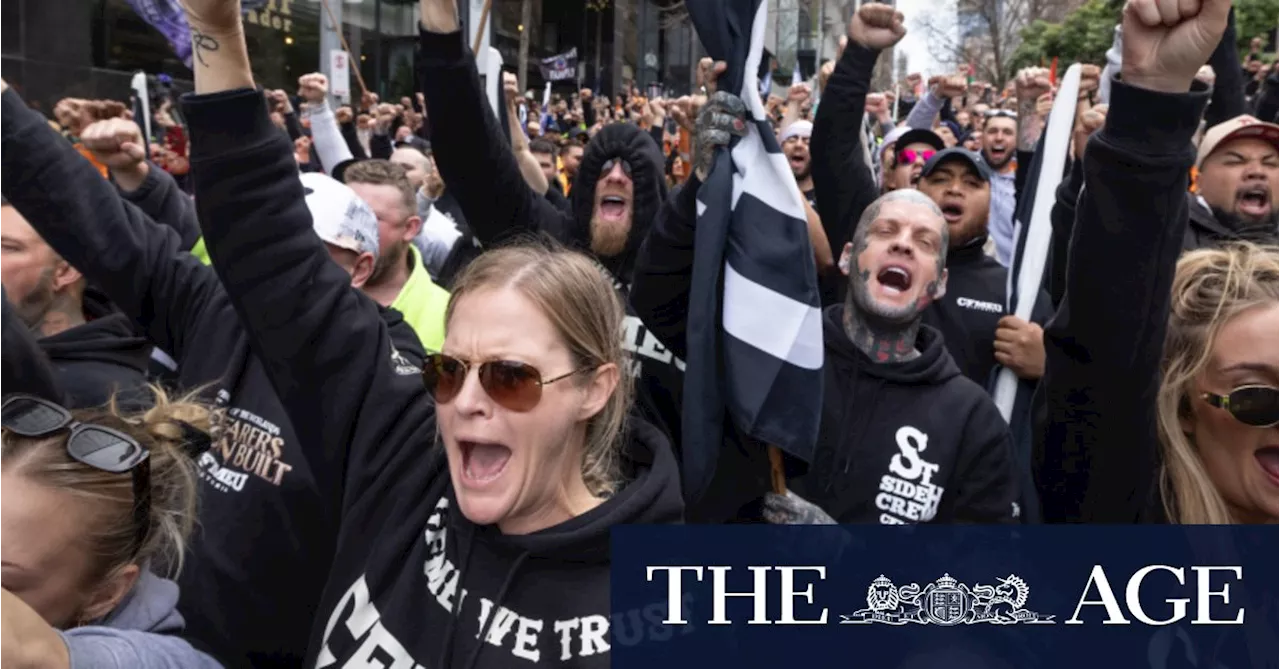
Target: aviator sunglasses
[1256, 406]
[99, 447]
[513, 385]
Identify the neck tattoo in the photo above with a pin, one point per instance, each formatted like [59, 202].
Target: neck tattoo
[881, 342]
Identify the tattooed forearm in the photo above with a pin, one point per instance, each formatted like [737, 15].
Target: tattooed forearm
[200, 43]
[1029, 125]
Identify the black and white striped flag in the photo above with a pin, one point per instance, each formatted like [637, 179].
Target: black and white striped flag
[754, 325]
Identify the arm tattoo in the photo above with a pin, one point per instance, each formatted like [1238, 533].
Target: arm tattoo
[200, 43]
[1029, 125]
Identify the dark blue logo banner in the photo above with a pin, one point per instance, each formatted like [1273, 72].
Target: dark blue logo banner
[1070, 597]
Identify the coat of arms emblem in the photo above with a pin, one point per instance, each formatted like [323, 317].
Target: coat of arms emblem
[947, 602]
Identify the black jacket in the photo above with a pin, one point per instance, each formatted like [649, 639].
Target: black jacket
[842, 180]
[1099, 455]
[402, 550]
[99, 359]
[973, 305]
[480, 172]
[908, 442]
[267, 525]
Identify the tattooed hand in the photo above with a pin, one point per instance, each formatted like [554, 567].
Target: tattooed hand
[792, 509]
[722, 118]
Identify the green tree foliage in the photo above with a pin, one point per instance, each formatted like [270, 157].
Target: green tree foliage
[1085, 35]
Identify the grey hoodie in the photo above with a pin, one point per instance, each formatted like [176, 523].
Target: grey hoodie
[141, 633]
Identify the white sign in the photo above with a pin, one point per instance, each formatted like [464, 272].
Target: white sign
[339, 75]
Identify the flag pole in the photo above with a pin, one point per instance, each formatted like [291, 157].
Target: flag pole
[484, 19]
[338, 29]
[777, 474]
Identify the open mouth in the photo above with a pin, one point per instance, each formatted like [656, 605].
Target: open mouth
[797, 162]
[952, 212]
[613, 207]
[1254, 201]
[483, 462]
[1267, 458]
[894, 278]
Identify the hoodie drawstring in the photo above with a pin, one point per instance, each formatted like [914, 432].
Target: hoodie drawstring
[502, 593]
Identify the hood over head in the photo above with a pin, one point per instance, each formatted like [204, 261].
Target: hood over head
[107, 336]
[649, 188]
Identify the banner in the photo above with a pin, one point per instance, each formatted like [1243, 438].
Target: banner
[945, 597]
[561, 67]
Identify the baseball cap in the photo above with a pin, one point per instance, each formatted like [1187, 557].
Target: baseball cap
[339, 216]
[920, 136]
[1236, 128]
[894, 134]
[956, 153]
[802, 129]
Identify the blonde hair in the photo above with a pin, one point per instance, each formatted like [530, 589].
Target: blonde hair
[111, 530]
[575, 294]
[1210, 287]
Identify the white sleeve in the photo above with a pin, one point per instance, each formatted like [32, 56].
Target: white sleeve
[326, 137]
[436, 240]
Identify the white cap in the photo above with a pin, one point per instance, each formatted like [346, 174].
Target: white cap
[895, 134]
[800, 129]
[339, 216]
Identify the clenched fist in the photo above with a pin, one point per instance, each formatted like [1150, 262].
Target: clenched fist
[876, 26]
[948, 87]
[1166, 41]
[313, 87]
[116, 143]
[1088, 122]
[1020, 347]
[1031, 83]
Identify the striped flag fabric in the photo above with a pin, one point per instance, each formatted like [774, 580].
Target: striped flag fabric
[754, 329]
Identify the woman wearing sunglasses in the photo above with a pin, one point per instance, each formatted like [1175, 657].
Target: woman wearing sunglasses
[1161, 373]
[93, 501]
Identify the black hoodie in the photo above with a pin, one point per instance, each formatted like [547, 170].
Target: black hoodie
[99, 358]
[907, 442]
[479, 170]
[267, 524]
[405, 559]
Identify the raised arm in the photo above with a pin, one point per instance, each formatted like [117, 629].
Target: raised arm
[1100, 456]
[471, 151]
[841, 177]
[323, 344]
[136, 261]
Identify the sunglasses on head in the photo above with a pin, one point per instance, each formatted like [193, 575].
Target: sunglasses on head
[607, 167]
[909, 156]
[513, 385]
[99, 447]
[1256, 406]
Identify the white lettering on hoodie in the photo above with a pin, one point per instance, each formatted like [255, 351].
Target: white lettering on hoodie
[907, 493]
[523, 636]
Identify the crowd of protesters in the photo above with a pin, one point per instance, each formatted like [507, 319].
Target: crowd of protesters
[241, 425]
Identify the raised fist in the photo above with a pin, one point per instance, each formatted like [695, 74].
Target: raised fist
[510, 86]
[1088, 122]
[585, 94]
[1031, 83]
[876, 26]
[948, 87]
[1166, 41]
[116, 143]
[876, 104]
[798, 93]
[313, 87]
[344, 114]
[368, 100]
[1207, 75]
[1044, 105]
[1090, 75]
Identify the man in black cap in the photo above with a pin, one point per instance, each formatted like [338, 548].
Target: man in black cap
[973, 316]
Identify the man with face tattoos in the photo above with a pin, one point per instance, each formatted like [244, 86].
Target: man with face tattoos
[905, 436]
